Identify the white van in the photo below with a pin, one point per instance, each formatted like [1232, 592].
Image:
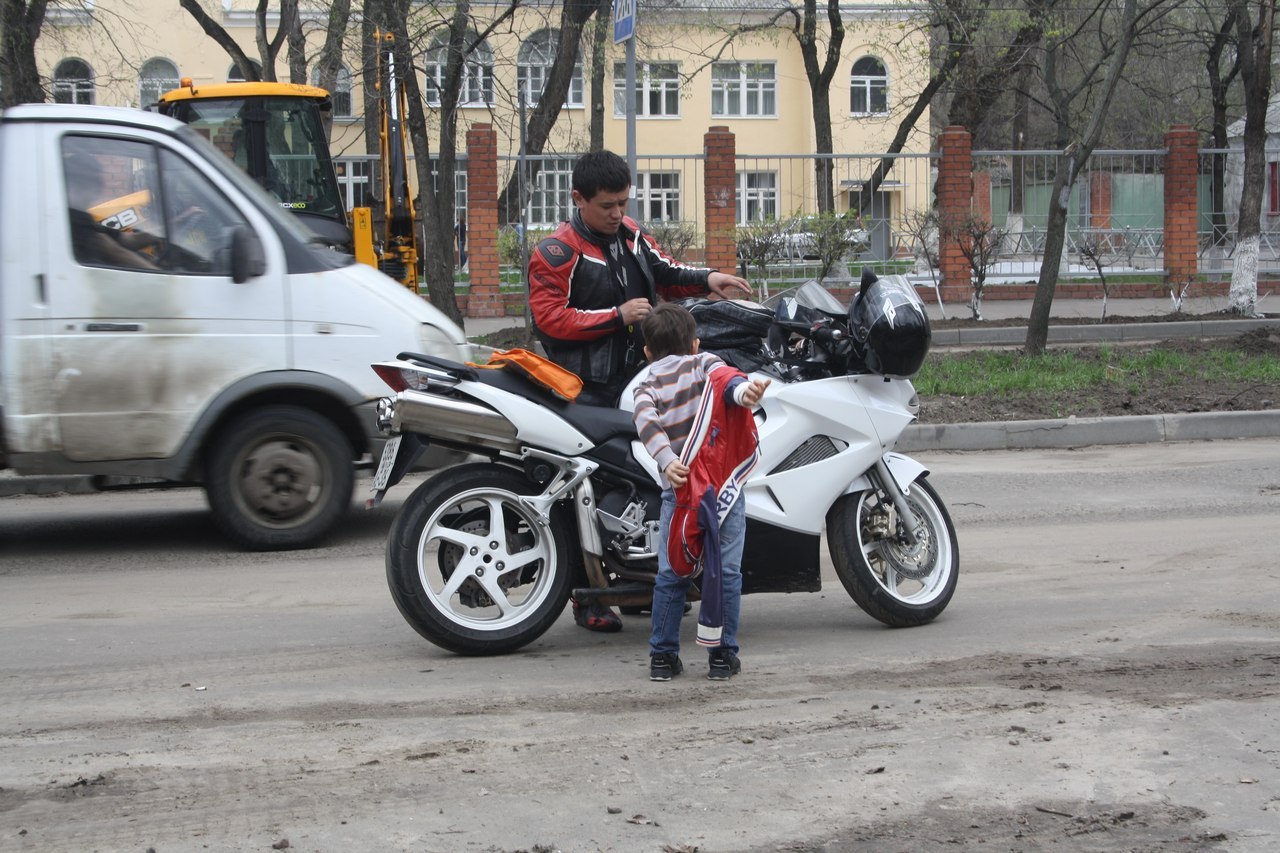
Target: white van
[162, 318]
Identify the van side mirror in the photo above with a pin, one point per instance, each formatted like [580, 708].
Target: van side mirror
[247, 257]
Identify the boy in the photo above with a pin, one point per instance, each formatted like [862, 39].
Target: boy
[693, 414]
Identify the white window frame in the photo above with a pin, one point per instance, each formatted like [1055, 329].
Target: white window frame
[73, 90]
[868, 85]
[666, 195]
[476, 89]
[537, 54]
[652, 90]
[550, 200]
[151, 85]
[756, 203]
[341, 94]
[744, 90]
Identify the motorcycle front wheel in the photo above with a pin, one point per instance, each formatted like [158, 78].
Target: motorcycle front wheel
[899, 584]
[472, 567]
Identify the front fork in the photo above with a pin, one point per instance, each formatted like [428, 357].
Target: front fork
[884, 480]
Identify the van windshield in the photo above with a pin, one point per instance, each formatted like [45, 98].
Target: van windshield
[289, 227]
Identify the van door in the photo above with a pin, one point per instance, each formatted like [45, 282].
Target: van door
[147, 324]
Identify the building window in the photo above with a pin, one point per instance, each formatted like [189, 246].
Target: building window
[339, 93]
[757, 196]
[658, 196]
[234, 75]
[869, 87]
[477, 72]
[157, 77]
[657, 89]
[534, 66]
[549, 203]
[742, 89]
[73, 82]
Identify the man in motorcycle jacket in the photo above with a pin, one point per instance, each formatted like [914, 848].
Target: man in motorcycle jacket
[592, 282]
[595, 279]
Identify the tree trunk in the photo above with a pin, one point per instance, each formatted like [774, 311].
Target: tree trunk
[330, 57]
[215, 31]
[599, 61]
[573, 16]
[819, 76]
[20, 25]
[1255, 71]
[1074, 157]
[373, 17]
[1219, 91]
[297, 42]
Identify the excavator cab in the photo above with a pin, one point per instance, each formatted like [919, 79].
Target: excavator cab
[275, 133]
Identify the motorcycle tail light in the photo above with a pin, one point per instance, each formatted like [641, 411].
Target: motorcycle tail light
[402, 376]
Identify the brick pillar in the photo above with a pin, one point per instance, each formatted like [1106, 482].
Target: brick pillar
[720, 183]
[955, 203]
[982, 196]
[1181, 171]
[482, 221]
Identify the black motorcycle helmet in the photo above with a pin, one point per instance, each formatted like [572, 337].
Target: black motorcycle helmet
[890, 327]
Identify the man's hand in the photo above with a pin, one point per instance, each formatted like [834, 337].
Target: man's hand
[722, 285]
[634, 310]
[755, 390]
[677, 474]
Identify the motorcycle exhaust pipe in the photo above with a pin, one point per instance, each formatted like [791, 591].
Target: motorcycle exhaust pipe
[449, 420]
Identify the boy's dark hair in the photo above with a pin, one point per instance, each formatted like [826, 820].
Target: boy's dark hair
[669, 330]
[600, 170]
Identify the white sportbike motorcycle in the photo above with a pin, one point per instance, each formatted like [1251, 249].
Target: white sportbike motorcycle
[483, 557]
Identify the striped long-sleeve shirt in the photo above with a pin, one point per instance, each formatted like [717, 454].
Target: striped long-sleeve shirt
[667, 400]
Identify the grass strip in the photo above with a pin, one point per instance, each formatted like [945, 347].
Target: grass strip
[1001, 373]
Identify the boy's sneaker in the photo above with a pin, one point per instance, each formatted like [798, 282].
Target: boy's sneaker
[664, 666]
[723, 664]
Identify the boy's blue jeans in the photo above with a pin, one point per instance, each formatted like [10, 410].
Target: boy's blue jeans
[669, 591]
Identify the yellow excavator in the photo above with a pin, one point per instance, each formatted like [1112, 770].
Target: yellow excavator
[396, 253]
[275, 132]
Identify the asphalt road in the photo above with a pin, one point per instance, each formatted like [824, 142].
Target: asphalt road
[1106, 678]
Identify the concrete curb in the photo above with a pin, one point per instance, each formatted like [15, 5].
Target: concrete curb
[1082, 432]
[1101, 332]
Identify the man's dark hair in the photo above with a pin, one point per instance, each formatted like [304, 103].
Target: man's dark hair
[669, 330]
[600, 170]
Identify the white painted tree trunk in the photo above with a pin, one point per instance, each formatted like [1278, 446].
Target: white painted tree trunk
[1243, 297]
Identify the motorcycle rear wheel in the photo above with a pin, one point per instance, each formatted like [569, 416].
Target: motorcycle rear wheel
[471, 567]
[897, 584]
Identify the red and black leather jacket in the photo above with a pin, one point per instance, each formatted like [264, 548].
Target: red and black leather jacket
[574, 296]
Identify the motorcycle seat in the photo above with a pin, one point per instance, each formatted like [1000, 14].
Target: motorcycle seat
[598, 423]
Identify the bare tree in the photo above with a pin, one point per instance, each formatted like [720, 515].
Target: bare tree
[980, 241]
[574, 15]
[1089, 90]
[1255, 37]
[20, 25]
[268, 46]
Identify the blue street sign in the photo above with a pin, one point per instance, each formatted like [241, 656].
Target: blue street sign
[624, 20]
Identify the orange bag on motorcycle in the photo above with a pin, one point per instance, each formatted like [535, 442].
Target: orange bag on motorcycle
[565, 384]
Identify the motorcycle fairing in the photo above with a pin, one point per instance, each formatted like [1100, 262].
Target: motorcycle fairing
[779, 560]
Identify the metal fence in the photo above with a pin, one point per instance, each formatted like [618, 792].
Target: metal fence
[1116, 216]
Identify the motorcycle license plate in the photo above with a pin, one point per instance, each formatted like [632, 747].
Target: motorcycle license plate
[388, 461]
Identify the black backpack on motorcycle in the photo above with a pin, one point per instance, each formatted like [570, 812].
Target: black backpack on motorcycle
[733, 329]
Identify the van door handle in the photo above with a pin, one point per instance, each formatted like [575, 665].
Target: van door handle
[113, 327]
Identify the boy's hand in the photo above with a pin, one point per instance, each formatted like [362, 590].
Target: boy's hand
[677, 474]
[755, 391]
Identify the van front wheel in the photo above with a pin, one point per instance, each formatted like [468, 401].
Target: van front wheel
[279, 478]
